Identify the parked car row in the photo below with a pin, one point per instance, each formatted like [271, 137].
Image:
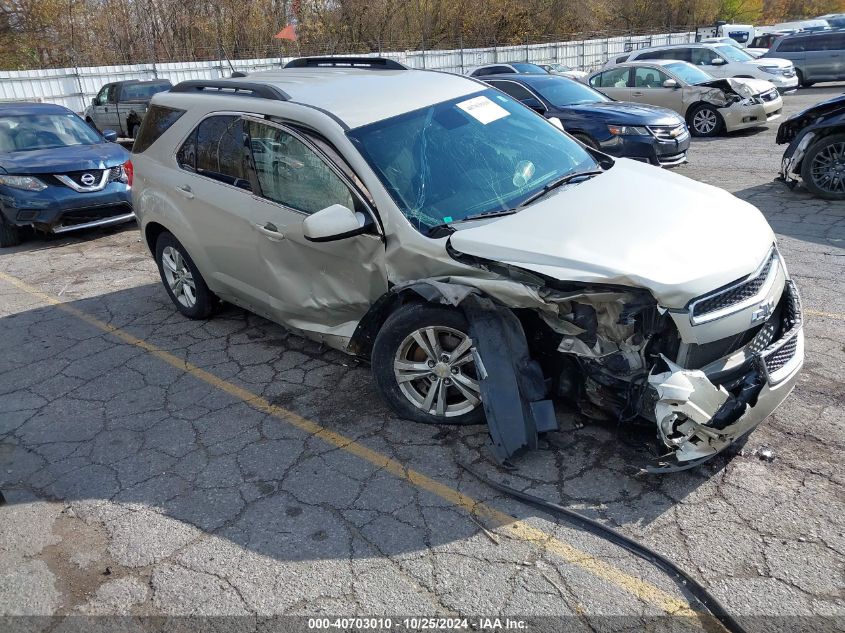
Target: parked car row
[56, 176]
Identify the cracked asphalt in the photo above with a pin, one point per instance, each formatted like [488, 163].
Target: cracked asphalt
[155, 466]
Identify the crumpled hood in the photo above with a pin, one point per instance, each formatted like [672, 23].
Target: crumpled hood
[744, 87]
[635, 225]
[59, 160]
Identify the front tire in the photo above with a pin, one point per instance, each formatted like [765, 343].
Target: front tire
[705, 121]
[823, 168]
[10, 235]
[423, 366]
[133, 130]
[182, 279]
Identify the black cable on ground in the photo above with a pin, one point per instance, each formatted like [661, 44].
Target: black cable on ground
[682, 578]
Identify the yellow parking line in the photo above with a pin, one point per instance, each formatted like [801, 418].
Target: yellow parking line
[825, 315]
[509, 525]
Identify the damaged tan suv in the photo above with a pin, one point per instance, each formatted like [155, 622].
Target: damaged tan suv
[486, 263]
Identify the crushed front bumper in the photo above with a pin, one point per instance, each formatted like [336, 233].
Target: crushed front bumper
[698, 418]
[792, 157]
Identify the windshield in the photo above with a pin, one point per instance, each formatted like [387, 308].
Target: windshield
[563, 92]
[143, 91]
[560, 68]
[44, 131]
[733, 53]
[689, 73]
[482, 153]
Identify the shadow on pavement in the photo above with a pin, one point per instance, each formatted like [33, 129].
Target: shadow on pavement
[84, 416]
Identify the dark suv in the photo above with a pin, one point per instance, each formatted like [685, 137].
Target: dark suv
[818, 56]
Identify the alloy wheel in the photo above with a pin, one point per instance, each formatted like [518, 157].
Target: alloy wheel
[179, 277]
[828, 168]
[435, 370]
[705, 121]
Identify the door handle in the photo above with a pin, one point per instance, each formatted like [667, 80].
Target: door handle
[268, 229]
[185, 190]
[636, 94]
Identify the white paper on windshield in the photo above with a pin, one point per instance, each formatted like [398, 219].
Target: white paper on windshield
[483, 110]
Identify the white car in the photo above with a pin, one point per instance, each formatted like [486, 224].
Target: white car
[721, 60]
[486, 263]
[709, 106]
[564, 71]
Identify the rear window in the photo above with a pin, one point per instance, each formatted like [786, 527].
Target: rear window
[156, 122]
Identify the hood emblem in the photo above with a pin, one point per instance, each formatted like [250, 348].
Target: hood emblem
[763, 311]
[87, 179]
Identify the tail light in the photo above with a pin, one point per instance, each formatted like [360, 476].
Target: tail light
[129, 170]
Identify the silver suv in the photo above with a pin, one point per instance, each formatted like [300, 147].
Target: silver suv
[485, 262]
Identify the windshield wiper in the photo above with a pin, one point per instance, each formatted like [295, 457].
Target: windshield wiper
[439, 230]
[563, 180]
[488, 214]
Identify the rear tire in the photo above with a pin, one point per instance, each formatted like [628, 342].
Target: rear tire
[182, 279]
[823, 168]
[423, 367]
[705, 121]
[801, 81]
[10, 235]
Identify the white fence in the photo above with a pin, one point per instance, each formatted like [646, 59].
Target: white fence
[74, 87]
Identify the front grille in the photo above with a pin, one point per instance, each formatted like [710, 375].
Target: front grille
[668, 132]
[698, 356]
[780, 357]
[736, 293]
[76, 176]
[777, 355]
[81, 216]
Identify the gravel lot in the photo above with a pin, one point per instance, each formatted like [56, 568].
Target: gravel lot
[158, 466]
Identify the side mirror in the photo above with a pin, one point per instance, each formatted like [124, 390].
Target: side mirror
[717, 61]
[332, 223]
[670, 83]
[95, 101]
[535, 104]
[110, 135]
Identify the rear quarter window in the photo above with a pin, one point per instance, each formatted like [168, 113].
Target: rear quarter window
[156, 122]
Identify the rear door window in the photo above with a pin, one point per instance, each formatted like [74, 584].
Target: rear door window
[614, 78]
[215, 149]
[156, 122]
[792, 45]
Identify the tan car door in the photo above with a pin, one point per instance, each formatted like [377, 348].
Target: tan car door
[319, 287]
[649, 88]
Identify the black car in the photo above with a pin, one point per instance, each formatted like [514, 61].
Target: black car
[631, 130]
[816, 150]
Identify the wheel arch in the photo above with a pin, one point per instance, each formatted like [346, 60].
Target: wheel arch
[695, 105]
[152, 231]
[421, 291]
